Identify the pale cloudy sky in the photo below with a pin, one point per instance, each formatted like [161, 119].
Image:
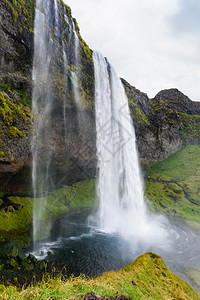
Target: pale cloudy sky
[153, 44]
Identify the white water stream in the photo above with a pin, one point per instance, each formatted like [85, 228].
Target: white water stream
[42, 93]
[49, 49]
[122, 207]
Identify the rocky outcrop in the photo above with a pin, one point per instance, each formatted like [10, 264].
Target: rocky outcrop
[178, 102]
[163, 124]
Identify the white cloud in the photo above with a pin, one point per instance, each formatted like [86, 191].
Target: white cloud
[142, 41]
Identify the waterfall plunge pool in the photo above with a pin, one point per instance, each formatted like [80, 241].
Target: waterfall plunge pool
[85, 250]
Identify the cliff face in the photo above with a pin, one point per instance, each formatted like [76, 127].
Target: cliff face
[70, 154]
[16, 51]
[163, 124]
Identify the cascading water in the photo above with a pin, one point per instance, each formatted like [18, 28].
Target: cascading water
[56, 16]
[74, 74]
[43, 50]
[65, 71]
[48, 51]
[120, 187]
[56, 93]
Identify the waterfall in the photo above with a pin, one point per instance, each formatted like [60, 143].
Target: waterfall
[48, 51]
[75, 78]
[56, 16]
[55, 63]
[65, 71]
[120, 187]
[43, 50]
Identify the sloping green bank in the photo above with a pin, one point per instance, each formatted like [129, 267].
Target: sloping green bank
[146, 278]
[173, 185]
[16, 212]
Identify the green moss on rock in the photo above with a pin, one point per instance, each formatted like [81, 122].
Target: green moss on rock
[17, 222]
[22, 13]
[190, 125]
[138, 115]
[63, 201]
[13, 132]
[14, 121]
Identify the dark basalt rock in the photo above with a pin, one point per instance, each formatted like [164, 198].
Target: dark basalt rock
[178, 101]
[163, 124]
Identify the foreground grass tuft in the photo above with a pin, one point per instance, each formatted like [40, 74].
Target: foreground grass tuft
[146, 278]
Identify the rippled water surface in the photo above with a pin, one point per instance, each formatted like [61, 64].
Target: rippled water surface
[89, 251]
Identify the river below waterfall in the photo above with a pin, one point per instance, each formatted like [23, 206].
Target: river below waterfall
[85, 250]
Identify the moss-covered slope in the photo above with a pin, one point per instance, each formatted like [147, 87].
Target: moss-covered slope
[146, 278]
[173, 185]
[16, 212]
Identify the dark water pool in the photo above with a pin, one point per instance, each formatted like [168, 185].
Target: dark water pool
[84, 250]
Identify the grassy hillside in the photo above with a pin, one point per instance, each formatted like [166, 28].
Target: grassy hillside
[173, 185]
[146, 278]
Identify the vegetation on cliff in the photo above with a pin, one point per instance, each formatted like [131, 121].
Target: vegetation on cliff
[14, 123]
[22, 13]
[146, 278]
[187, 122]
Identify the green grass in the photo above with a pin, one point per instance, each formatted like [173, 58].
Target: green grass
[146, 278]
[173, 185]
[82, 194]
[63, 201]
[17, 223]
